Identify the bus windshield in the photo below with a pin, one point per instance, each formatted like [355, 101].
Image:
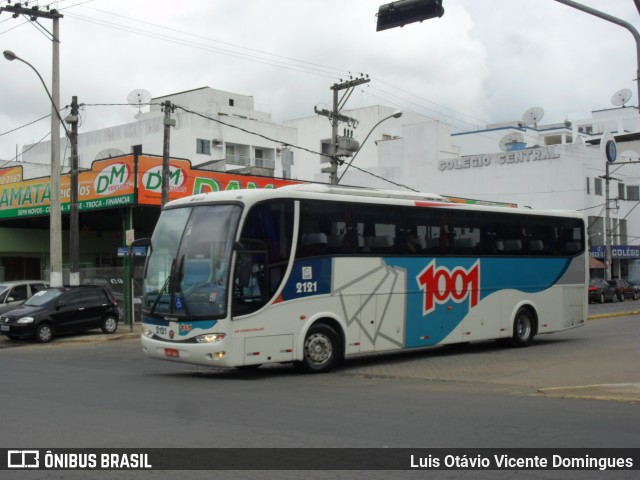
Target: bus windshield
[187, 272]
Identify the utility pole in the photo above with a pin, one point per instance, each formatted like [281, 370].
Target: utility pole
[334, 116]
[607, 216]
[168, 122]
[74, 241]
[607, 226]
[55, 212]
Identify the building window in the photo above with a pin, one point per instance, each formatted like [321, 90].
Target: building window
[633, 192]
[231, 102]
[203, 146]
[621, 190]
[588, 186]
[597, 186]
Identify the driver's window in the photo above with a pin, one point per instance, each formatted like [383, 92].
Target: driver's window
[263, 256]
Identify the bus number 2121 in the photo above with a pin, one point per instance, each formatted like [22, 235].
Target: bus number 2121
[306, 287]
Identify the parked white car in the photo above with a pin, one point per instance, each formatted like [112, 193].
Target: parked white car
[13, 294]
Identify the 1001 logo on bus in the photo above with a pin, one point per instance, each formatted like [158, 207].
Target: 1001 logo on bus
[441, 285]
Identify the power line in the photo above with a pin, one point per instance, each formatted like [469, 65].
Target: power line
[25, 125]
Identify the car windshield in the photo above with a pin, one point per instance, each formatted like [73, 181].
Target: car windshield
[43, 297]
[3, 292]
[187, 272]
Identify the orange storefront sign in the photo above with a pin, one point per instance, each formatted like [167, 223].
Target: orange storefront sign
[111, 183]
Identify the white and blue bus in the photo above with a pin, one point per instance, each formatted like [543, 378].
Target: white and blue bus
[314, 274]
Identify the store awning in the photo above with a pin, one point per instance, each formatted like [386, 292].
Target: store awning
[595, 263]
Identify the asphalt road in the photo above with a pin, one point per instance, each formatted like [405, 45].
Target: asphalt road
[103, 394]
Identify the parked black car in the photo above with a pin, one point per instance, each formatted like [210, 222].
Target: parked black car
[61, 310]
[624, 289]
[14, 293]
[600, 291]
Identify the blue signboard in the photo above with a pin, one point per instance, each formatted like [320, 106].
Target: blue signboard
[620, 252]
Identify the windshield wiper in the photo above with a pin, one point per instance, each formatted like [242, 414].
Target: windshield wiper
[163, 288]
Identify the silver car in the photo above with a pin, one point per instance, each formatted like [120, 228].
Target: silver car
[14, 294]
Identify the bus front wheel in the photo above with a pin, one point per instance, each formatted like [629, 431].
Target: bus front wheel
[321, 350]
[523, 328]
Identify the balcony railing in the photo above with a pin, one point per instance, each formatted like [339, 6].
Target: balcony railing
[246, 161]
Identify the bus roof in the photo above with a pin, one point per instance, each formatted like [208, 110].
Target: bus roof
[315, 191]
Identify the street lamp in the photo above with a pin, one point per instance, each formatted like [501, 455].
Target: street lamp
[55, 209]
[397, 114]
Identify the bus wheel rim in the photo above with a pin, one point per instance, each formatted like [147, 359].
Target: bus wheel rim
[524, 328]
[318, 349]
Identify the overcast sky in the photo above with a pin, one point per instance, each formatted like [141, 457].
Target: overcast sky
[484, 61]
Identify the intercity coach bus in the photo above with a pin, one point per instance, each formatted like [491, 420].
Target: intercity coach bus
[313, 274]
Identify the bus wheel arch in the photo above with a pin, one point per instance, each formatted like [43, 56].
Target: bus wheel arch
[323, 347]
[525, 326]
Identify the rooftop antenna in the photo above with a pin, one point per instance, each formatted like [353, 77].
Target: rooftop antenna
[138, 98]
[533, 116]
[621, 97]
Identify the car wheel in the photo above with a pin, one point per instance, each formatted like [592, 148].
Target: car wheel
[44, 333]
[601, 298]
[523, 329]
[621, 297]
[635, 295]
[321, 350]
[110, 325]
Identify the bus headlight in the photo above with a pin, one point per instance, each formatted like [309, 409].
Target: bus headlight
[210, 338]
[147, 332]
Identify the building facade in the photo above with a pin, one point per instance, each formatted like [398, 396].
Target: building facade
[559, 166]
[211, 129]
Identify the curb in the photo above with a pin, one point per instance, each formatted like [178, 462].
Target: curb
[613, 314]
[618, 392]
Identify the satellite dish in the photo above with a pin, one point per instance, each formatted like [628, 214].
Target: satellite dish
[533, 116]
[512, 141]
[138, 98]
[621, 97]
[109, 153]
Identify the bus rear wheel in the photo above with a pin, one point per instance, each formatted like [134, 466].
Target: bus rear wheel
[523, 328]
[321, 350]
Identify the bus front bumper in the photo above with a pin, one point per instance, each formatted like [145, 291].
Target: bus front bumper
[211, 354]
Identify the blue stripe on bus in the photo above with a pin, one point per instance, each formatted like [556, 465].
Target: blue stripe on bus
[429, 324]
[430, 319]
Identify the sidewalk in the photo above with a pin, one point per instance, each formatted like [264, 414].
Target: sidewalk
[124, 331]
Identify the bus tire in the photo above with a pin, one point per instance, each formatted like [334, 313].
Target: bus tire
[321, 350]
[523, 328]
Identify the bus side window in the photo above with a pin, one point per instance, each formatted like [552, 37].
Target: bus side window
[325, 229]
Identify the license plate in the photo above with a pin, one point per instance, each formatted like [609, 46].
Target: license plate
[4, 328]
[172, 352]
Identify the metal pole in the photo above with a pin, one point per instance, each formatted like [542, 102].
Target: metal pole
[55, 232]
[168, 122]
[617, 21]
[607, 228]
[74, 242]
[333, 174]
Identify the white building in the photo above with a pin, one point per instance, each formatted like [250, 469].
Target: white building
[210, 130]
